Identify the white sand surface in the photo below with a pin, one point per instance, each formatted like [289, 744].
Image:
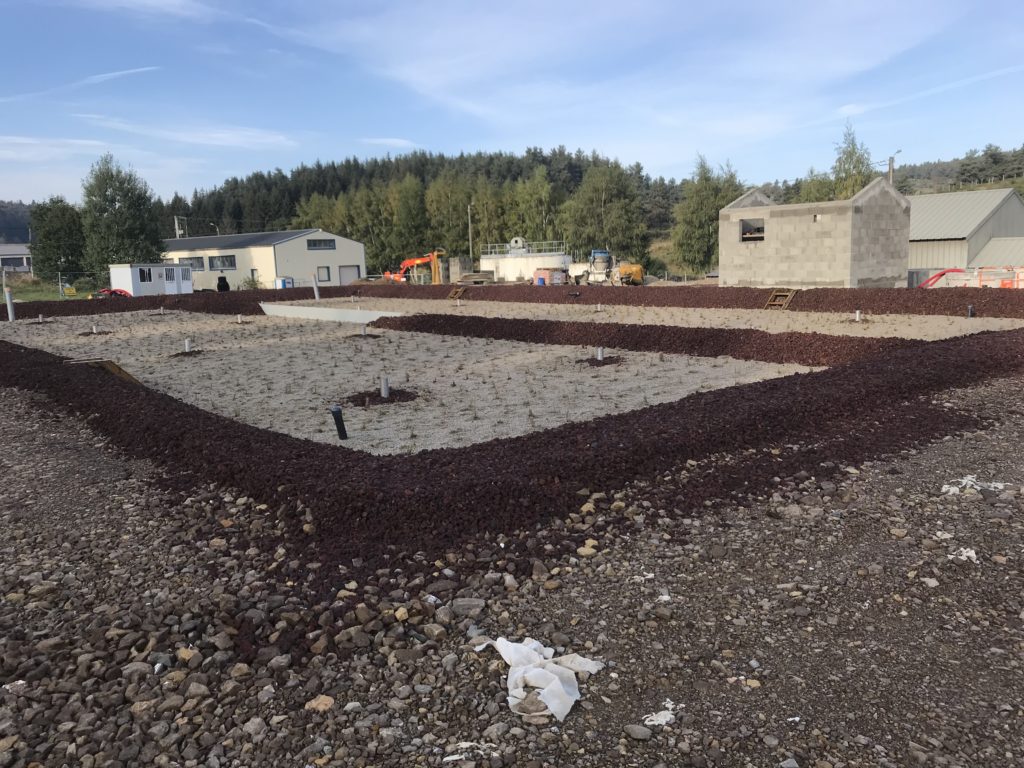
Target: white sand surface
[927, 327]
[282, 374]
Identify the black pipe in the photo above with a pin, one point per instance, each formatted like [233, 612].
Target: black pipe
[339, 422]
[970, 310]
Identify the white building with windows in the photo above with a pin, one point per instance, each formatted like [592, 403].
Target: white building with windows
[270, 259]
[151, 279]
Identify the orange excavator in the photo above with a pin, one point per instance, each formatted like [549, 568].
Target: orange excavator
[405, 266]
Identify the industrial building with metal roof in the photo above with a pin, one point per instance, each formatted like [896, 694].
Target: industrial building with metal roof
[290, 258]
[982, 228]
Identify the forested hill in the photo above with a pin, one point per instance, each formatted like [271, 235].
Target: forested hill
[527, 195]
[13, 222]
[270, 200]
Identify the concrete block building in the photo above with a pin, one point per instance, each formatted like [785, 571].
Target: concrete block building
[291, 258]
[862, 242]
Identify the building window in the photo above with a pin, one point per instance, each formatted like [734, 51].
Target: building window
[195, 262]
[323, 274]
[169, 274]
[751, 230]
[14, 262]
[186, 274]
[222, 262]
[320, 245]
[145, 275]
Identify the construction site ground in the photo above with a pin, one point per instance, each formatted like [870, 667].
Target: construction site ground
[821, 570]
[927, 327]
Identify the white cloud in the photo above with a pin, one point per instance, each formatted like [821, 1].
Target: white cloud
[103, 77]
[859, 109]
[32, 149]
[236, 137]
[182, 9]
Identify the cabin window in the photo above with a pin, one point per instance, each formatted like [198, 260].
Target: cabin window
[195, 262]
[320, 245]
[323, 274]
[186, 275]
[145, 275]
[169, 274]
[751, 230]
[222, 262]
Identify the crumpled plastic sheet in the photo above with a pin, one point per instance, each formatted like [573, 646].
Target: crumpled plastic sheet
[533, 665]
[954, 487]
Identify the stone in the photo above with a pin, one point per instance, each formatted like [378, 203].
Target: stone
[468, 606]
[638, 732]
[255, 726]
[320, 703]
[434, 632]
[136, 670]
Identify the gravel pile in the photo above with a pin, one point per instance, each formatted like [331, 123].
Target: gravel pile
[386, 508]
[845, 616]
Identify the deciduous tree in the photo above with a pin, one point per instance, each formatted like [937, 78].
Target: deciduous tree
[59, 243]
[117, 218]
[695, 236]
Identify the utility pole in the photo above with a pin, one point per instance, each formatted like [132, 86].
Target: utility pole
[892, 164]
[469, 214]
[178, 227]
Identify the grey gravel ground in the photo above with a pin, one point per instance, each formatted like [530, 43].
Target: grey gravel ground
[824, 625]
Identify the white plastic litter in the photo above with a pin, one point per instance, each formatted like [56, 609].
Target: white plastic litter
[970, 481]
[664, 717]
[531, 665]
[472, 749]
[964, 554]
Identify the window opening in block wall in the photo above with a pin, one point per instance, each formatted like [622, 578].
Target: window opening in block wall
[751, 230]
[323, 274]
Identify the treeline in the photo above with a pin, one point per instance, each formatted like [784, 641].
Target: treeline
[13, 222]
[406, 205]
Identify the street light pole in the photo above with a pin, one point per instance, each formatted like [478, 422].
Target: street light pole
[892, 164]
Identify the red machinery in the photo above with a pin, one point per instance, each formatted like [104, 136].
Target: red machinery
[429, 258]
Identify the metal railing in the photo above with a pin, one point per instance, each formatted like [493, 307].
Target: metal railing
[506, 249]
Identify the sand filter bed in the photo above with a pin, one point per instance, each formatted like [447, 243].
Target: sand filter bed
[282, 375]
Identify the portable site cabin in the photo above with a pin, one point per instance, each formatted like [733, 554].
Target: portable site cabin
[291, 258]
[151, 279]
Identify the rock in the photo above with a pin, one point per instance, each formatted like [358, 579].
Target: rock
[638, 732]
[136, 670]
[196, 690]
[278, 663]
[255, 726]
[789, 762]
[468, 606]
[434, 632]
[51, 644]
[319, 704]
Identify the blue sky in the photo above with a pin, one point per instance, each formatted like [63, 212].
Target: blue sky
[190, 92]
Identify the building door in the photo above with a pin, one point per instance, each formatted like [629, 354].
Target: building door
[348, 275]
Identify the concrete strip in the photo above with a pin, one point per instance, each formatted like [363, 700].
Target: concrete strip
[329, 314]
